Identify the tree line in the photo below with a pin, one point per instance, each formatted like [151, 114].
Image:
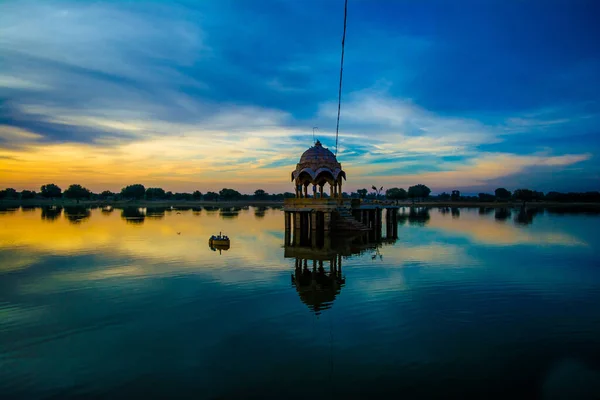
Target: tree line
[135, 192]
[417, 192]
[500, 194]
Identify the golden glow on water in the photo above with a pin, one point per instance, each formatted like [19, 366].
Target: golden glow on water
[179, 236]
[180, 239]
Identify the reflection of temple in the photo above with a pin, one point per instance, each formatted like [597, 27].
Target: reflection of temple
[315, 211]
[318, 262]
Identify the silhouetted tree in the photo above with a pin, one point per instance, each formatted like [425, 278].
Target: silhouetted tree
[107, 194]
[155, 194]
[396, 194]
[8, 193]
[444, 196]
[523, 195]
[212, 196]
[183, 196]
[197, 195]
[418, 192]
[260, 194]
[288, 195]
[486, 197]
[27, 194]
[502, 194]
[77, 192]
[455, 196]
[229, 194]
[51, 191]
[362, 193]
[136, 192]
[538, 196]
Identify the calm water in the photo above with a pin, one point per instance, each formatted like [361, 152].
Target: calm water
[465, 303]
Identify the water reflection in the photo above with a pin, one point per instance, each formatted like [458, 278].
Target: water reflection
[525, 215]
[28, 208]
[156, 212]
[107, 210]
[259, 212]
[486, 210]
[230, 212]
[8, 209]
[455, 212]
[51, 213]
[502, 214]
[424, 311]
[580, 210]
[133, 215]
[416, 216]
[317, 275]
[77, 214]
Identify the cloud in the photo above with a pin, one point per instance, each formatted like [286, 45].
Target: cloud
[185, 94]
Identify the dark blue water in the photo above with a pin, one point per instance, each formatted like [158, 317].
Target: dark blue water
[466, 303]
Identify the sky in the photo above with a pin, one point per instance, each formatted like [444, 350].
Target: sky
[201, 95]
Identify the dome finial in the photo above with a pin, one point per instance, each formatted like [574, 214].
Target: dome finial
[318, 143]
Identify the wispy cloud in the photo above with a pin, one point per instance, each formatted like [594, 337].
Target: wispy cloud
[186, 95]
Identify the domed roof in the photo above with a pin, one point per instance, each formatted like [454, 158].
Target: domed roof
[318, 154]
[317, 162]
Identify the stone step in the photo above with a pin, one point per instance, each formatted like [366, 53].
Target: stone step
[346, 221]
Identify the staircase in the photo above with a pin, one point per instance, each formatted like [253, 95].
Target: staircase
[345, 221]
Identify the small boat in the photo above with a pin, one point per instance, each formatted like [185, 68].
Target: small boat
[220, 242]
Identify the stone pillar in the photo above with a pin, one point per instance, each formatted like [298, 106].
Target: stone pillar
[297, 220]
[314, 191]
[313, 220]
[297, 228]
[340, 190]
[305, 191]
[288, 221]
[326, 221]
[339, 271]
[321, 191]
[331, 190]
[326, 241]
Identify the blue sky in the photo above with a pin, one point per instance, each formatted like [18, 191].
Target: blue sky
[189, 95]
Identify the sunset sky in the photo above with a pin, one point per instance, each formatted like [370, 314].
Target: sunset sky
[188, 95]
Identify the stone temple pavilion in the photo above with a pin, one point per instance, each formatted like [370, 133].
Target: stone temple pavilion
[313, 211]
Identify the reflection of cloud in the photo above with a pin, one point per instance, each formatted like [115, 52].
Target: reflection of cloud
[156, 241]
[13, 264]
[483, 231]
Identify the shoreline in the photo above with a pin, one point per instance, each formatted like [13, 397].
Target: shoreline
[270, 203]
[138, 203]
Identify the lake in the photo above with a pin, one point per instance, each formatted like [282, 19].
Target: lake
[466, 303]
